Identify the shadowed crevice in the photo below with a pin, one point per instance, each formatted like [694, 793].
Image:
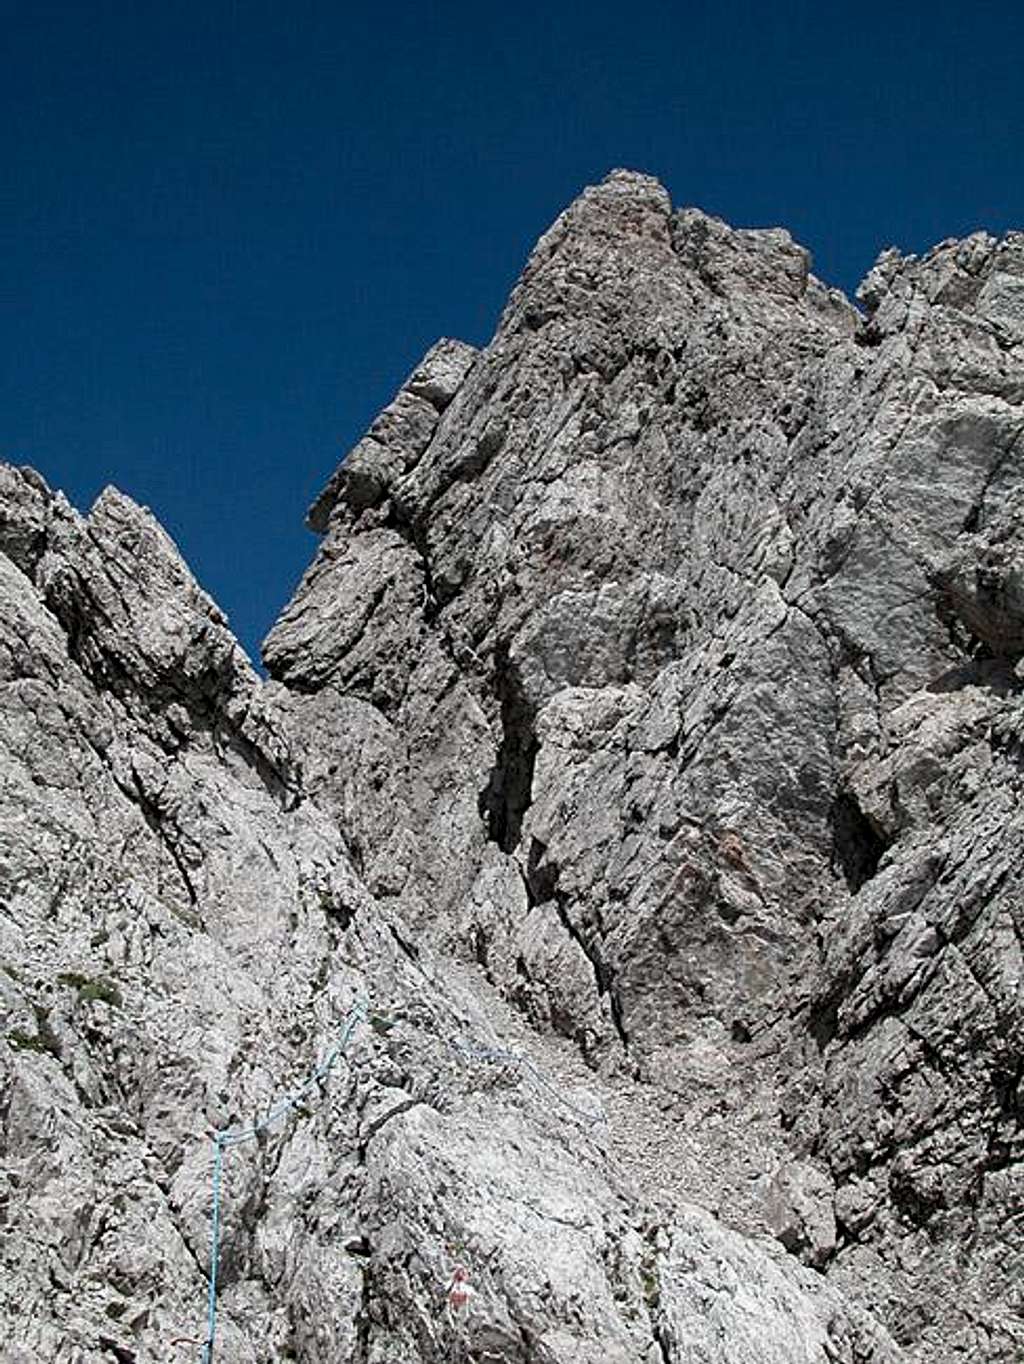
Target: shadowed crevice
[505, 799]
[541, 882]
[857, 846]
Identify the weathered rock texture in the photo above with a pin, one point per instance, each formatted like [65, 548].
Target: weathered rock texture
[652, 710]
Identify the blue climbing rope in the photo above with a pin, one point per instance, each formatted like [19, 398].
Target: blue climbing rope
[477, 1051]
[466, 1046]
[211, 1297]
[235, 1136]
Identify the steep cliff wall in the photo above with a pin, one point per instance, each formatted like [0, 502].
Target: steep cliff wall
[643, 747]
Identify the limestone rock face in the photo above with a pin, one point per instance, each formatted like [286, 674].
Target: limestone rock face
[636, 794]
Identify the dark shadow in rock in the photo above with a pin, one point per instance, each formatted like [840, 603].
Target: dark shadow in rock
[823, 1022]
[505, 799]
[857, 846]
[994, 674]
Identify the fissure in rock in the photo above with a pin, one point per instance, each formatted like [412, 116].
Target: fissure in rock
[541, 881]
[505, 799]
[857, 847]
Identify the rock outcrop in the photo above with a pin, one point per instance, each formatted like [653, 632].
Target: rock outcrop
[644, 747]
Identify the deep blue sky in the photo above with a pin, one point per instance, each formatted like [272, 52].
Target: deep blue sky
[227, 231]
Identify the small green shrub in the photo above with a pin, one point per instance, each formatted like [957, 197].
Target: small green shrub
[73, 978]
[92, 989]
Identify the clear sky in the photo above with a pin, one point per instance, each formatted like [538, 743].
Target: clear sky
[228, 230]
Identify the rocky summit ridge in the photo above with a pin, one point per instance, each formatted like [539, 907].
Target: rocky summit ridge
[640, 758]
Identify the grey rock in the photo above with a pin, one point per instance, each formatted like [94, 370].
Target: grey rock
[800, 1211]
[692, 719]
[400, 434]
[181, 934]
[643, 746]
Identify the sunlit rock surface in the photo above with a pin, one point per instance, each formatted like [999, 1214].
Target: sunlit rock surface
[642, 749]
